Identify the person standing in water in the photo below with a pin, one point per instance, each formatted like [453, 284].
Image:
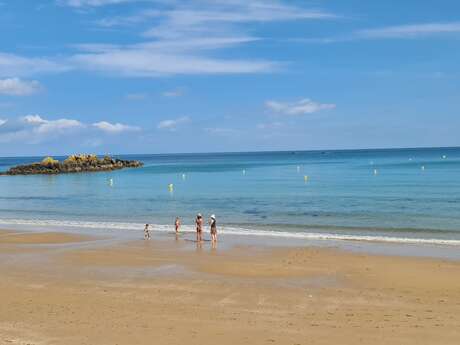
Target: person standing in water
[146, 232]
[213, 224]
[177, 224]
[199, 227]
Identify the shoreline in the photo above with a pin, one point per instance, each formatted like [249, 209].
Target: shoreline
[70, 289]
[380, 245]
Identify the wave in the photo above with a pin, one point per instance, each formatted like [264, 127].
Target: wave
[233, 230]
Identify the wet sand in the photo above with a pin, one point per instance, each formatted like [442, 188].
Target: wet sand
[7, 237]
[59, 288]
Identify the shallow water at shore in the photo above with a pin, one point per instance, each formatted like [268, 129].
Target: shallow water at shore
[229, 240]
[394, 196]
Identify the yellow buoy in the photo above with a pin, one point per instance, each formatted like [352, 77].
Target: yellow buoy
[111, 182]
[305, 178]
[170, 187]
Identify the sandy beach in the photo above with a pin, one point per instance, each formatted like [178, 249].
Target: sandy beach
[60, 288]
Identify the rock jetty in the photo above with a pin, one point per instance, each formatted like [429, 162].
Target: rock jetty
[73, 164]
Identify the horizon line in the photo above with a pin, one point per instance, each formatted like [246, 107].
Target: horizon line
[241, 152]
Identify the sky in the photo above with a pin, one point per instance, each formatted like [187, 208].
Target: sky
[164, 76]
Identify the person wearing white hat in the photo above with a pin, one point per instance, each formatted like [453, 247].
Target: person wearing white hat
[199, 227]
[213, 225]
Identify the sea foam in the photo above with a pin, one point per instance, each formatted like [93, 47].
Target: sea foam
[231, 230]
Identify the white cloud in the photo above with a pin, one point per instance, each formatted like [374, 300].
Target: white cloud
[182, 16]
[92, 3]
[18, 87]
[35, 129]
[182, 33]
[131, 19]
[145, 61]
[304, 106]
[114, 128]
[409, 31]
[59, 125]
[34, 119]
[181, 38]
[11, 64]
[406, 31]
[43, 126]
[173, 123]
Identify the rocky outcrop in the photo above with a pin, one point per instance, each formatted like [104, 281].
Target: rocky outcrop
[73, 164]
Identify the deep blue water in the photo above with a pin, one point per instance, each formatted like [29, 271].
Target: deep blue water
[403, 193]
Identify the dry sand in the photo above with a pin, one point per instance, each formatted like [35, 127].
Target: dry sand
[68, 289]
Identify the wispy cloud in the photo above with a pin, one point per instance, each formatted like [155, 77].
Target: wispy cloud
[182, 34]
[93, 3]
[181, 15]
[172, 124]
[180, 38]
[141, 96]
[114, 128]
[18, 87]
[409, 31]
[304, 106]
[128, 20]
[153, 61]
[150, 59]
[43, 126]
[405, 31]
[11, 64]
[35, 129]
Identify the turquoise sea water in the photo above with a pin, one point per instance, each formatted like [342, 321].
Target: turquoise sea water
[400, 195]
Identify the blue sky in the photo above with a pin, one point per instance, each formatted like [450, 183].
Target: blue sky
[158, 76]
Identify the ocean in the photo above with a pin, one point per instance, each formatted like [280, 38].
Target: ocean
[388, 195]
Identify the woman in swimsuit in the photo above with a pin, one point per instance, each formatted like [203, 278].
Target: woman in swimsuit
[177, 224]
[213, 224]
[199, 227]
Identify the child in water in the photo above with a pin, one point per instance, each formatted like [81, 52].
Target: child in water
[177, 224]
[146, 232]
